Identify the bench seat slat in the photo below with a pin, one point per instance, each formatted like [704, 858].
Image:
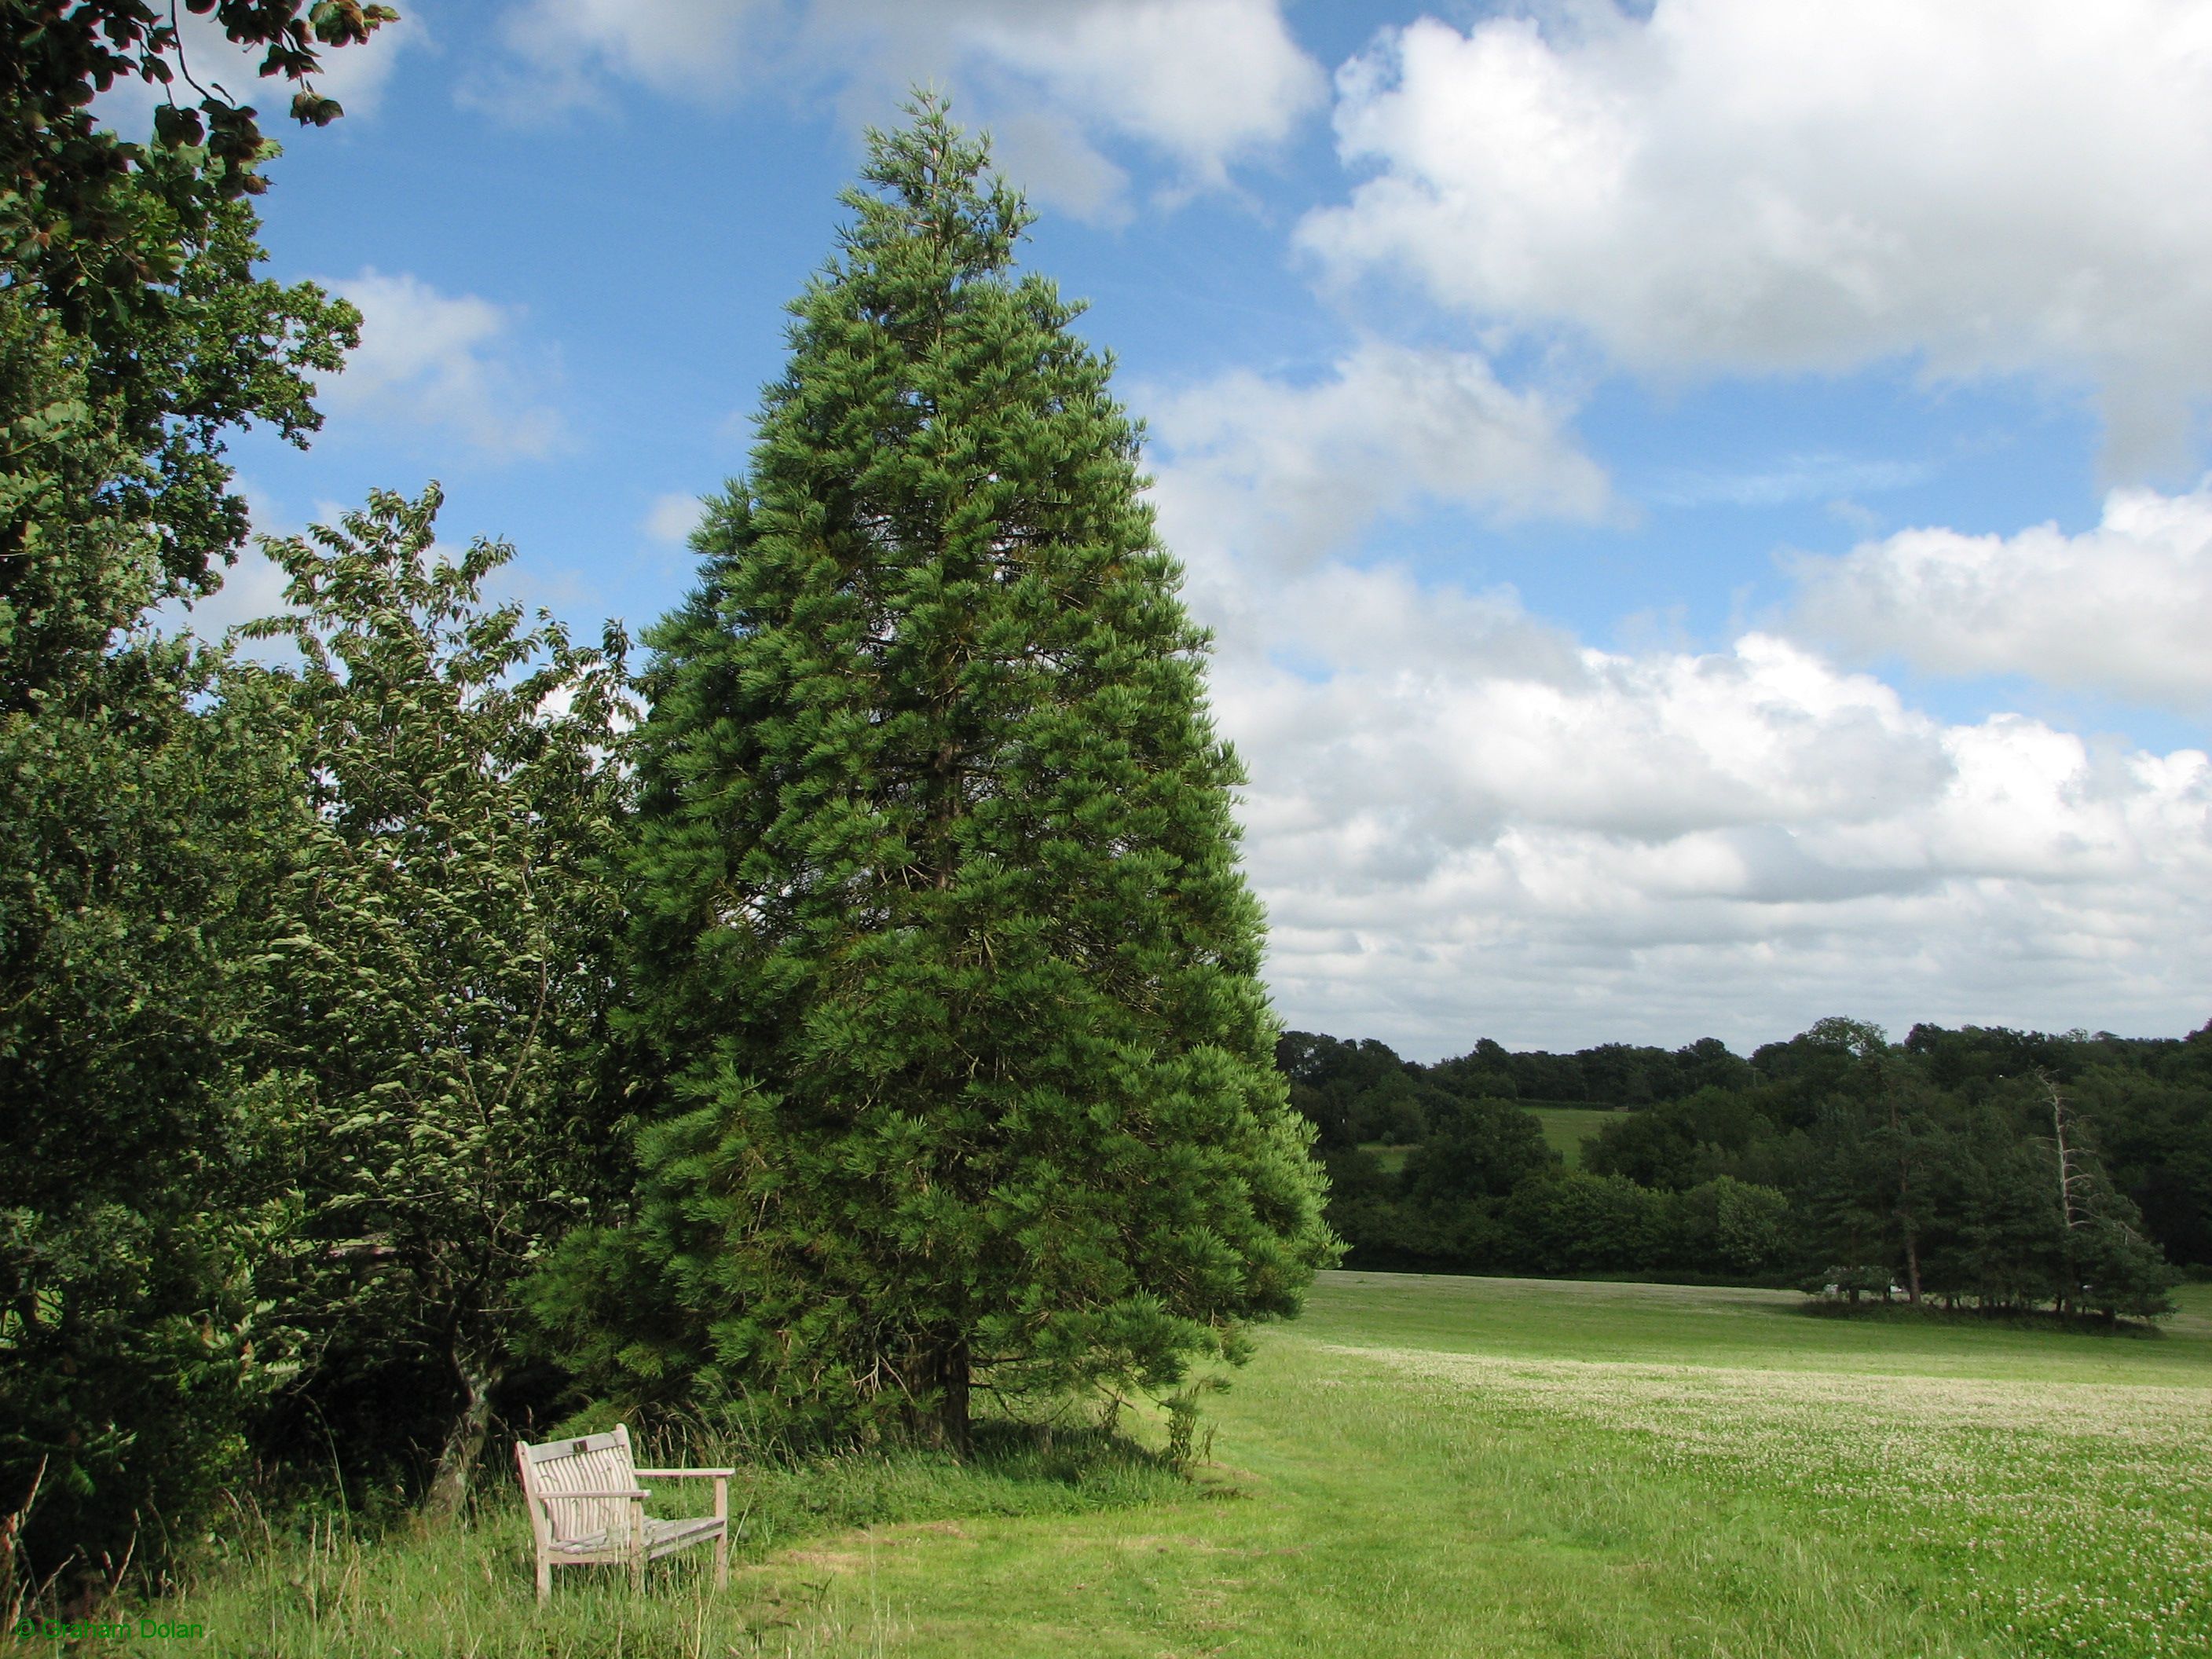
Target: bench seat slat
[661, 1537]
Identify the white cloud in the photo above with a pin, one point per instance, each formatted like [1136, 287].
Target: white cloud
[433, 360]
[1756, 186]
[2125, 609]
[1204, 82]
[565, 47]
[1793, 478]
[358, 76]
[252, 587]
[1053, 162]
[1464, 822]
[1463, 825]
[1289, 473]
[671, 518]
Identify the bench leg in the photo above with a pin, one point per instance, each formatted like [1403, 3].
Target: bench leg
[544, 1578]
[722, 1538]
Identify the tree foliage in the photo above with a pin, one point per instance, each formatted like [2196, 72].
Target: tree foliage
[133, 849]
[942, 942]
[439, 971]
[135, 835]
[94, 221]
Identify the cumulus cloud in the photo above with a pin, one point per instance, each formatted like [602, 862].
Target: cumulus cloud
[1731, 185]
[252, 587]
[1046, 152]
[1288, 472]
[1206, 80]
[671, 518]
[2125, 609]
[429, 361]
[1466, 822]
[566, 48]
[1463, 824]
[1204, 83]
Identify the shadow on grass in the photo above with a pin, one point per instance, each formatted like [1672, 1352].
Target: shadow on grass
[1014, 1469]
[1875, 1312]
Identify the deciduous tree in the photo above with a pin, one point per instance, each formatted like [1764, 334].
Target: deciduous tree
[440, 972]
[135, 833]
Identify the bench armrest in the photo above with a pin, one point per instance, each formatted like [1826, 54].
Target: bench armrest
[678, 1474]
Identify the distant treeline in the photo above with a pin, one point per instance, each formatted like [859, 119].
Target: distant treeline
[1987, 1168]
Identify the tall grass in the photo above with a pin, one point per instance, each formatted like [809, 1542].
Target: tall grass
[322, 1584]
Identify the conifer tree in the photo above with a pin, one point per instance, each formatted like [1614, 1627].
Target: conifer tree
[943, 943]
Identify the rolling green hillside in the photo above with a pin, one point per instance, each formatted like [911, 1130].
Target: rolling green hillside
[1566, 1128]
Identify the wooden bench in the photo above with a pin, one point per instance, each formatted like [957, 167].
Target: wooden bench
[585, 1506]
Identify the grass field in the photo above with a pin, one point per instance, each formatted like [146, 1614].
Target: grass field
[1428, 1466]
[1391, 1158]
[1566, 1128]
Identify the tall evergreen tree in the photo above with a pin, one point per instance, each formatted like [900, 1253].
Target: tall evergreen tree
[943, 944]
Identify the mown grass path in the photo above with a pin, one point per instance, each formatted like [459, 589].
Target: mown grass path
[1441, 1466]
[1433, 1465]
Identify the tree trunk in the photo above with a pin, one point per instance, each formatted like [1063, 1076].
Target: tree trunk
[950, 1365]
[2068, 1177]
[1904, 1203]
[464, 1441]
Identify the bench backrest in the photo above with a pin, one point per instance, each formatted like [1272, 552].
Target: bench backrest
[592, 1462]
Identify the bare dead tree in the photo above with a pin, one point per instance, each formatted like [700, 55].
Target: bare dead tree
[2071, 1175]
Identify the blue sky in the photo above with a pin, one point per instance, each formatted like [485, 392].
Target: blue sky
[1701, 504]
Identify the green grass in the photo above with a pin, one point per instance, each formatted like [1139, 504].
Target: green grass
[1566, 1128]
[1391, 1159]
[1432, 1465]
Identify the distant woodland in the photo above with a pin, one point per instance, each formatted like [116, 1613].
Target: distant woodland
[1980, 1167]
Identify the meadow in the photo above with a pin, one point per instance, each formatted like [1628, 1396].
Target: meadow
[1428, 1466]
[1566, 1128]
